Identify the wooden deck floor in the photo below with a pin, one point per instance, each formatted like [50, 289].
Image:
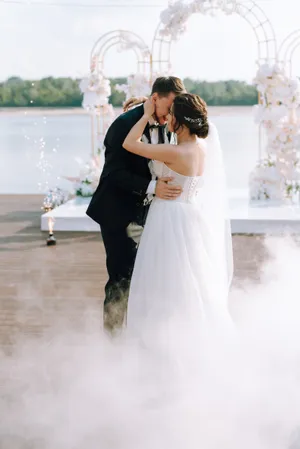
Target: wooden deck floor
[46, 292]
[40, 284]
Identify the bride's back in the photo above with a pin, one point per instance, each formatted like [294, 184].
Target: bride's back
[190, 160]
[190, 184]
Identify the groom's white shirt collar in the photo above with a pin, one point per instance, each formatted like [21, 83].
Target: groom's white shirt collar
[154, 133]
[151, 121]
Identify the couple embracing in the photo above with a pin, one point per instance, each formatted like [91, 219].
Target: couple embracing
[161, 204]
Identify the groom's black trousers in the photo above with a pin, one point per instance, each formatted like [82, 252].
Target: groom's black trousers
[117, 202]
[120, 257]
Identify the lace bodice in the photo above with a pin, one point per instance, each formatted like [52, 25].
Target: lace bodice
[190, 184]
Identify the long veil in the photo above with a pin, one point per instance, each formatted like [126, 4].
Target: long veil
[214, 203]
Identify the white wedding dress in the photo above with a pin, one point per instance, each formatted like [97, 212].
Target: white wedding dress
[175, 286]
[177, 306]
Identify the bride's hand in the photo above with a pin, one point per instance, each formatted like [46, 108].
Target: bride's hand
[133, 101]
[149, 107]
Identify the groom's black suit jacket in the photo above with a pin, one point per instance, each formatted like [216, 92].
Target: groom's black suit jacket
[118, 199]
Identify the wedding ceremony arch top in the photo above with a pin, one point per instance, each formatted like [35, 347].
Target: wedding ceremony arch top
[123, 40]
[174, 19]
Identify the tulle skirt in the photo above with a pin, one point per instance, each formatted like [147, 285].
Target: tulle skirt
[175, 288]
[222, 379]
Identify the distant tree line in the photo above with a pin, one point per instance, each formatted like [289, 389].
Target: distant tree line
[65, 92]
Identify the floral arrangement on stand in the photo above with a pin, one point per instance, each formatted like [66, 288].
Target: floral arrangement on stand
[88, 179]
[85, 184]
[264, 183]
[277, 114]
[96, 90]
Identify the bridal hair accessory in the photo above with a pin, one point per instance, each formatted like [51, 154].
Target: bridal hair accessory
[197, 121]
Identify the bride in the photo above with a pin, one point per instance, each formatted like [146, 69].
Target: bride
[183, 268]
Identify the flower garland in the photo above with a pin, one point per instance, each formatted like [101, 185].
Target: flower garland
[175, 17]
[280, 98]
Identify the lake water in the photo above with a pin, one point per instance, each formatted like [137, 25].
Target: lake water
[63, 137]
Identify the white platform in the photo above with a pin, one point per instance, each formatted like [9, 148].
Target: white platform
[71, 216]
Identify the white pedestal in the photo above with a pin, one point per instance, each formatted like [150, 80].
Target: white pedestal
[263, 219]
[245, 219]
[71, 216]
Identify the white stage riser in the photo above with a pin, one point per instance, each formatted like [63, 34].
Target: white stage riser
[71, 217]
[264, 227]
[78, 224]
[237, 226]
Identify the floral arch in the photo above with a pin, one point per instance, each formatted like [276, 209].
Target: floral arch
[174, 23]
[123, 40]
[96, 87]
[276, 175]
[96, 91]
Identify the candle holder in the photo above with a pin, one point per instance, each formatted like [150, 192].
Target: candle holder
[51, 240]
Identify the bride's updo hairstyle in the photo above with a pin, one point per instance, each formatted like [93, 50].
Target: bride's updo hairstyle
[191, 111]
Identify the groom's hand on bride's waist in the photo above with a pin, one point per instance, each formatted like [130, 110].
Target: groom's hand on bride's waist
[166, 191]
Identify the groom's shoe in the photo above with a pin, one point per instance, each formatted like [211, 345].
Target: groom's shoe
[114, 313]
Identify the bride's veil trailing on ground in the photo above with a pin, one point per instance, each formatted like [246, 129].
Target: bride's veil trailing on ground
[214, 202]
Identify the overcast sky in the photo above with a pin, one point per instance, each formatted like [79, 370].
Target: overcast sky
[39, 40]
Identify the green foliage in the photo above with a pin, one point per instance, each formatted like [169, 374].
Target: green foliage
[117, 98]
[64, 92]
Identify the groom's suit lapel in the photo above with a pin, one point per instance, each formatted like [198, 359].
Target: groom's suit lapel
[139, 113]
[148, 136]
[147, 133]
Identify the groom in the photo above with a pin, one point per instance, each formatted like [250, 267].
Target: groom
[121, 196]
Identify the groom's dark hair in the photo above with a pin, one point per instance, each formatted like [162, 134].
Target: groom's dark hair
[164, 85]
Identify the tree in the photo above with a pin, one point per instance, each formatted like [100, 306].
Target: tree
[65, 92]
